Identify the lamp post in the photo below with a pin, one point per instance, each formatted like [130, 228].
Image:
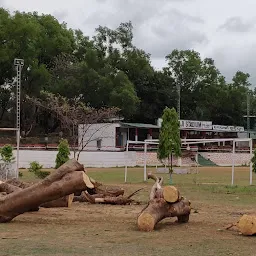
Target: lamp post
[178, 101]
[18, 63]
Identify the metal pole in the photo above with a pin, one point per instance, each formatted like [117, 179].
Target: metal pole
[248, 114]
[178, 101]
[251, 162]
[145, 162]
[18, 63]
[233, 162]
[126, 157]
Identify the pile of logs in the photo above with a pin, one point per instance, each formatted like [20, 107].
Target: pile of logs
[164, 202]
[63, 186]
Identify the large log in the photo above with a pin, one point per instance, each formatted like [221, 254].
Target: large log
[159, 209]
[18, 183]
[247, 225]
[164, 202]
[64, 201]
[84, 198]
[107, 190]
[8, 188]
[66, 180]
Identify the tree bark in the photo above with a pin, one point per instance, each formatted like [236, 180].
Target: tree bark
[8, 188]
[107, 190]
[66, 180]
[159, 206]
[83, 198]
[119, 200]
[18, 183]
[64, 201]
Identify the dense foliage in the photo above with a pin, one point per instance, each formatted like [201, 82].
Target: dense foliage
[169, 137]
[6, 153]
[108, 70]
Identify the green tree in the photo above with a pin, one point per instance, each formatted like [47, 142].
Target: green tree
[169, 138]
[63, 153]
[253, 160]
[6, 153]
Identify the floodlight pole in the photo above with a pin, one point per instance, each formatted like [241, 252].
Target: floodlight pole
[178, 101]
[18, 63]
[248, 114]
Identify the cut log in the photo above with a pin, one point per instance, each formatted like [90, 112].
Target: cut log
[247, 225]
[84, 198]
[18, 183]
[164, 202]
[119, 200]
[108, 190]
[159, 209]
[64, 201]
[8, 188]
[171, 194]
[66, 180]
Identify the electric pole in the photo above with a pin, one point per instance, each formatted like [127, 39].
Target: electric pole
[178, 101]
[248, 114]
[18, 63]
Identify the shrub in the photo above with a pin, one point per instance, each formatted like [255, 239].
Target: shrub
[63, 153]
[6, 153]
[35, 168]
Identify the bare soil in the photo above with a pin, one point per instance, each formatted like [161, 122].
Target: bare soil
[86, 229]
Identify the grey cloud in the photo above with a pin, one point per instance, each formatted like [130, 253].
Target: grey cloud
[173, 29]
[60, 14]
[236, 24]
[158, 29]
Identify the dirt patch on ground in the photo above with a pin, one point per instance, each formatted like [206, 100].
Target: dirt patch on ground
[86, 229]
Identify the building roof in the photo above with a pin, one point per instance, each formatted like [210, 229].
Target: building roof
[139, 125]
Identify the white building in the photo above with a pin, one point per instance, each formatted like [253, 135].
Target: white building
[113, 136]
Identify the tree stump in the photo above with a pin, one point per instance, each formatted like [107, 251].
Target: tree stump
[247, 225]
[164, 202]
[66, 180]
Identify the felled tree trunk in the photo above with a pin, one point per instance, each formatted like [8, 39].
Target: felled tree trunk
[17, 183]
[164, 202]
[247, 225]
[8, 188]
[106, 190]
[64, 201]
[66, 180]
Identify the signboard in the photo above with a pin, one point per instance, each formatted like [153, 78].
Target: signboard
[191, 124]
[226, 128]
[205, 125]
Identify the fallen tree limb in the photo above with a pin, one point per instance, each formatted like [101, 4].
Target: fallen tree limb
[66, 180]
[164, 202]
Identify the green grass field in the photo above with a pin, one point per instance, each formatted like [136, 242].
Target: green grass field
[86, 229]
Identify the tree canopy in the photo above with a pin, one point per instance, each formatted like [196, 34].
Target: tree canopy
[108, 70]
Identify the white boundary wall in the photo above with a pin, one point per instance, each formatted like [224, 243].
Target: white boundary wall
[118, 159]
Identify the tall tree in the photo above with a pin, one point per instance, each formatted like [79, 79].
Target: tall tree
[169, 138]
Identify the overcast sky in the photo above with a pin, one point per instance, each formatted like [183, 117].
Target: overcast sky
[221, 29]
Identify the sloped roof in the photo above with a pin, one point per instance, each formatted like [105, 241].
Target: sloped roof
[139, 125]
